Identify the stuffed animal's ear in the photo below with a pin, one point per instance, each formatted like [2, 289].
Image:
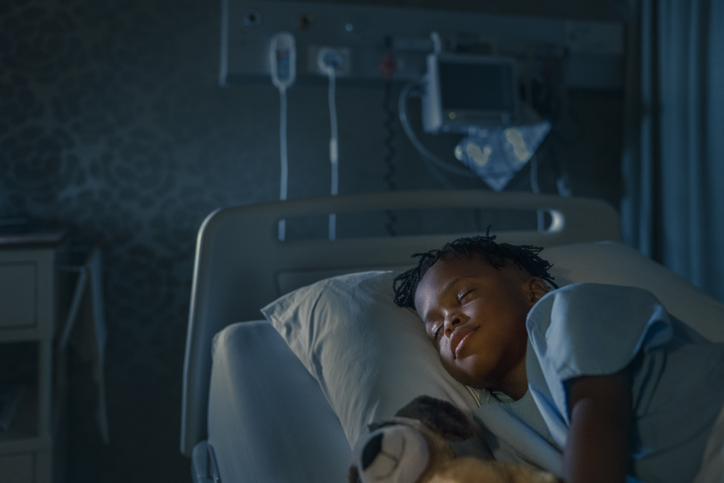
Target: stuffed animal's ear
[353, 475]
[441, 416]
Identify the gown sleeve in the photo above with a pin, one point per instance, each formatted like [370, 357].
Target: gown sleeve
[593, 329]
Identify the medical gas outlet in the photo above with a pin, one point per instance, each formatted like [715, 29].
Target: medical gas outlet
[323, 58]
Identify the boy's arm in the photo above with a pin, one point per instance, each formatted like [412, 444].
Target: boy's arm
[597, 445]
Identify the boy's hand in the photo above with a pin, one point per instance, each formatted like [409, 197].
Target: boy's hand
[597, 445]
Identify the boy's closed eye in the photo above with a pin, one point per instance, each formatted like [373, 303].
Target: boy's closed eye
[463, 295]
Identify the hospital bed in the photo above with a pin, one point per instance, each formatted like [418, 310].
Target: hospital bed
[269, 402]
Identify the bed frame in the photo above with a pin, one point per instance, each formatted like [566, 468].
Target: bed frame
[241, 265]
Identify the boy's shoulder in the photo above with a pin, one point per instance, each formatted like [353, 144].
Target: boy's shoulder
[595, 300]
[597, 291]
[584, 327]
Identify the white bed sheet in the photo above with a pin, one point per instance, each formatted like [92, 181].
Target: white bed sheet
[256, 450]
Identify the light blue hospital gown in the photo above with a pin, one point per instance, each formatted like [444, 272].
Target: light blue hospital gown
[678, 376]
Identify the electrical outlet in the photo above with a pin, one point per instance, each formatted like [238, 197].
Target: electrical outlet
[318, 55]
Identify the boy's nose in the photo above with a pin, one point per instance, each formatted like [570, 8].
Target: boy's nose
[452, 321]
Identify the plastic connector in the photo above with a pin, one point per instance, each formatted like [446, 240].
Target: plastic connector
[328, 60]
[283, 60]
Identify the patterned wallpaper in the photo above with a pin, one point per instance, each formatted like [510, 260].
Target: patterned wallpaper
[112, 122]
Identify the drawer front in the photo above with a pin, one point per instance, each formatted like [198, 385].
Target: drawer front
[17, 468]
[18, 295]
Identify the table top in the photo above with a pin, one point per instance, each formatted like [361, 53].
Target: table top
[22, 233]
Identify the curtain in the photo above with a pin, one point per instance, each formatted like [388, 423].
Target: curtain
[673, 162]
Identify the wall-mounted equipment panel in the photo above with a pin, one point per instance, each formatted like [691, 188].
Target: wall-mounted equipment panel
[591, 52]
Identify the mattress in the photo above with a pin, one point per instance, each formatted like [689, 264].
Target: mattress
[254, 449]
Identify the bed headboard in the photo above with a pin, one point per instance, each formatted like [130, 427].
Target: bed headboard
[241, 266]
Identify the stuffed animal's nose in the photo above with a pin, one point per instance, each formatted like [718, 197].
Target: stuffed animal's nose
[371, 450]
[392, 454]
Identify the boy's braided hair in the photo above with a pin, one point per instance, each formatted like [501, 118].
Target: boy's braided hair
[497, 254]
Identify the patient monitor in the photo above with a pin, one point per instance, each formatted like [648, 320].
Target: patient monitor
[462, 92]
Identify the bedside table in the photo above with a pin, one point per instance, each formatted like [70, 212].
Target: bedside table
[32, 374]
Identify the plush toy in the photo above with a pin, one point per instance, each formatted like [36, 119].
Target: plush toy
[421, 445]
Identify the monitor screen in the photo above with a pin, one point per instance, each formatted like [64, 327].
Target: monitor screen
[476, 86]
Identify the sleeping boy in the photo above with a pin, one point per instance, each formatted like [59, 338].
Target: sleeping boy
[623, 389]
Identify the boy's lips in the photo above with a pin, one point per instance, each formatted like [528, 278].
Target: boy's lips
[458, 338]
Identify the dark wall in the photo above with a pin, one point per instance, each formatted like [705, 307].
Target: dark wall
[112, 122]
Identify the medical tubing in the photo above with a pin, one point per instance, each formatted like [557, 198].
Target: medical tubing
[429, 156]
[389, 125]
[402, 113]
[283, 184]
[404, 94]
[389, 158]
[333, 150]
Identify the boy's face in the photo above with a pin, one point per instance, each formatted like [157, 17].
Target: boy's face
[475, 316]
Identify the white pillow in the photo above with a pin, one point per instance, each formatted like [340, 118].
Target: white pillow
[370, 357]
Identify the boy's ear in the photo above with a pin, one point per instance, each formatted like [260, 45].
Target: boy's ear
[537, 288]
